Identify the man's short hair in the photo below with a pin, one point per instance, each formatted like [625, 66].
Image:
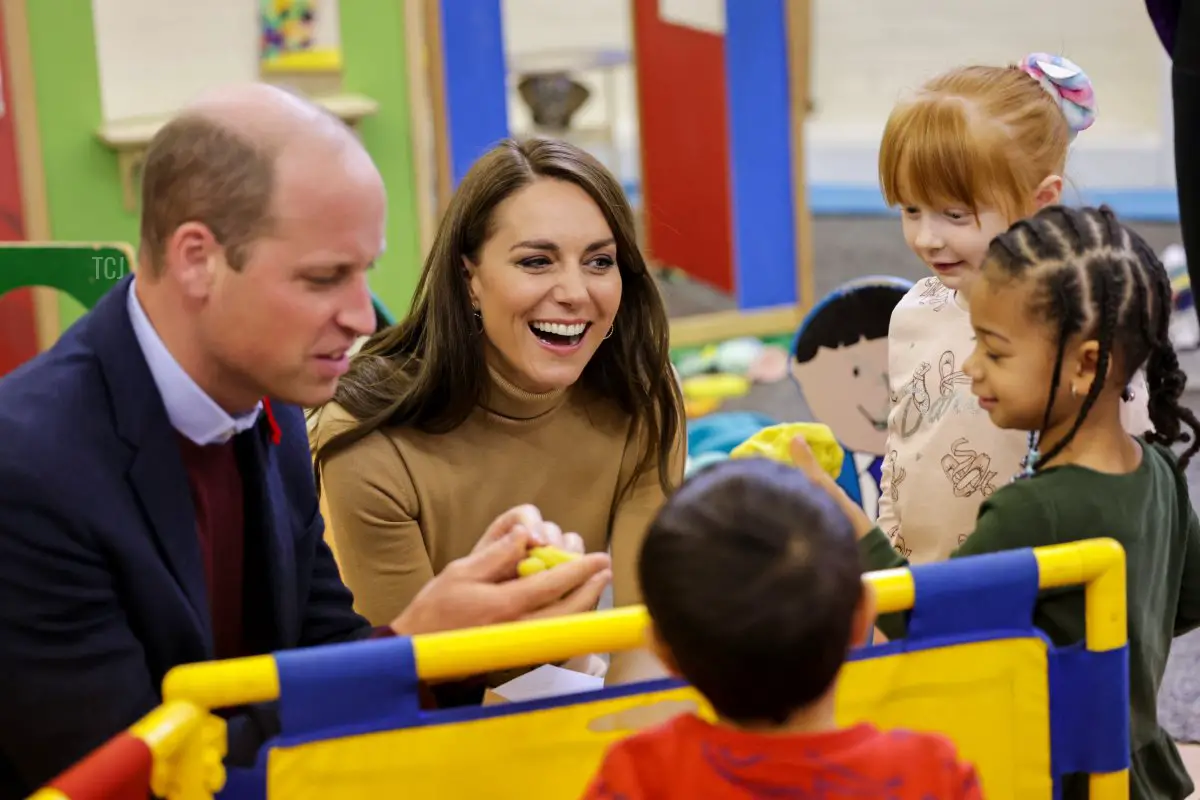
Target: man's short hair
[751, 575]
[197, 170]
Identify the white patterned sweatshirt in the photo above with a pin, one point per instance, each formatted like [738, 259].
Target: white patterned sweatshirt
[944, 455]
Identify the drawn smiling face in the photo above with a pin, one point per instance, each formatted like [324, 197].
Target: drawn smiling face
[846, 388]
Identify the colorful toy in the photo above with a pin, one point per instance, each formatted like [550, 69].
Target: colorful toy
[541, 559]
[714, 387]
[735, 356]
[972, 667]
[716, 372]
[713, 437]
[775, 443]
[697, 407]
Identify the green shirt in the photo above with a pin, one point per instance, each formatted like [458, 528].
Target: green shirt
[1148, 511]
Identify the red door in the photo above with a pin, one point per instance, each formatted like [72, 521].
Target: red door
[683, 112]
[18, 327]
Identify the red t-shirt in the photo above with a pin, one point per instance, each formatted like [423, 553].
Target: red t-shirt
[690, 758]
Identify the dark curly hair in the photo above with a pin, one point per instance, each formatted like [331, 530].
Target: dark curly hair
[1097, 277]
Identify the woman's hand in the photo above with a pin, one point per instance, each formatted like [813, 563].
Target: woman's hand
[483, 589]
[527, 519]
[552, 535]
[806, 462]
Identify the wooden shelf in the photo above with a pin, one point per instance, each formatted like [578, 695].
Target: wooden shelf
[129, 138]
[567, 61]
[580, 136]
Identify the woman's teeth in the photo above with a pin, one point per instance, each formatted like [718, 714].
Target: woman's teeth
[559, 329]
[559, 334]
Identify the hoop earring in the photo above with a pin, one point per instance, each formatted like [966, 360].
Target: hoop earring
[610, 331]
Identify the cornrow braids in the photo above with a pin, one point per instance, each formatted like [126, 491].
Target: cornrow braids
[1095, 275]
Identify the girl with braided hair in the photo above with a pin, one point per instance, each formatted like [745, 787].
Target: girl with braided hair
[1068, 305]
[971, 152]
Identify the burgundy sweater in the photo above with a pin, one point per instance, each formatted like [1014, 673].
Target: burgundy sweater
[216, 484]
[218, 496]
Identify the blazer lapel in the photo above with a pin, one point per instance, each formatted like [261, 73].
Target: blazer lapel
[269, 536]
[161, 484]
[156, 470]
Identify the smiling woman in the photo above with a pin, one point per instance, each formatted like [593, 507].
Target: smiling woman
[532, 368]
[545, 304]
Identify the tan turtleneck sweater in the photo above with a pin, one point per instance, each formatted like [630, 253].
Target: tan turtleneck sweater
[401, 504]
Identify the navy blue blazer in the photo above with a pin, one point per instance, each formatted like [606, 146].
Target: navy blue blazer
[102, 587]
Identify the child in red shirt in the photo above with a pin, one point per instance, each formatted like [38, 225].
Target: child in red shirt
[752, 580]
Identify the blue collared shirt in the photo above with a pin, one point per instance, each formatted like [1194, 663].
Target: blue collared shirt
[189, 408]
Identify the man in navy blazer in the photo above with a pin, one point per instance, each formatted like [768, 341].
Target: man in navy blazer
[156, 508]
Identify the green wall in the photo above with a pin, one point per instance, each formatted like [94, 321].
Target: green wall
[82, 185]
[83, 190]
[372, 35]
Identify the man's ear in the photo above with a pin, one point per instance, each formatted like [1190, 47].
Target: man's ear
[192, 256]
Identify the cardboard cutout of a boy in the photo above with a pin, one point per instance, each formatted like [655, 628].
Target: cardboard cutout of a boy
[839, 360]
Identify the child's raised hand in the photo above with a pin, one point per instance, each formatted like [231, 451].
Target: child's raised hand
[806, 461]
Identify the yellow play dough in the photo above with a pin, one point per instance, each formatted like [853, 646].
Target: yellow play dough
[541, 559]
[775, 443]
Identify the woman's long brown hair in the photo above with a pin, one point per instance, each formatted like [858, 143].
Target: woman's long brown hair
[428, 371]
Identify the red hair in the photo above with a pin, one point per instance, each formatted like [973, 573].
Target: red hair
[974, 137]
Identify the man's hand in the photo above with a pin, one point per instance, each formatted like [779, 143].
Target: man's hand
[806, 462]
[483, 589]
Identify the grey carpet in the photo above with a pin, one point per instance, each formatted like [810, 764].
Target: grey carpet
[848, 248]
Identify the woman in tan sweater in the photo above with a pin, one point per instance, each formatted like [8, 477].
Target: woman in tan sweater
[532, 368]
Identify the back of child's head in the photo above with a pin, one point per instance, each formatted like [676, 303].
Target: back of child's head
[1096, 278]
[982, 136]
[752, 578]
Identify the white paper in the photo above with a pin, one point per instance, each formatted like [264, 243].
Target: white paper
[548, 681]
[704, 15]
